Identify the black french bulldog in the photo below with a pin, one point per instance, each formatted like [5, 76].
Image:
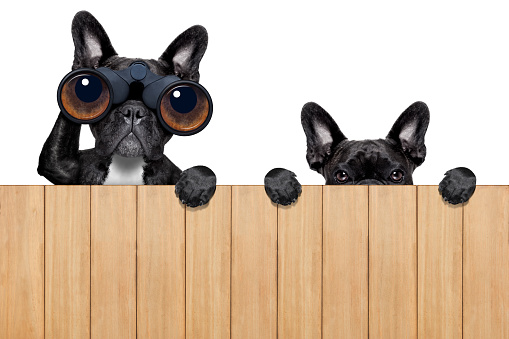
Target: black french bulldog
[129, 142]
[389, 161]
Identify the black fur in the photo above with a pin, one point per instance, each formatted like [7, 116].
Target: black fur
[281, 186]
[131, 129]
[458, 185]
[389, 161]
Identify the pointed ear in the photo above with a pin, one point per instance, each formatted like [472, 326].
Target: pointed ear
[91, 43]
[409, 130]
[322, 134]
[184, 54]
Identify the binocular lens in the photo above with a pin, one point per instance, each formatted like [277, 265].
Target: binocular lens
[185, 108]
[85, 96]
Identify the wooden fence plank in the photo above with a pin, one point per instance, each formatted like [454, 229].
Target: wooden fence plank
[440, 237]
[392, 262]
[67, 262]
[160, 263]
[21, 262]
[486, 264]
[254, 264]
[300, 266]
[345, 262]
[208, 259]
[113, 267]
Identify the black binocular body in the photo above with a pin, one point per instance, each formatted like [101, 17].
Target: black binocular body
[87, 95]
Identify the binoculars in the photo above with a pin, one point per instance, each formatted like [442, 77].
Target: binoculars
[86, 96]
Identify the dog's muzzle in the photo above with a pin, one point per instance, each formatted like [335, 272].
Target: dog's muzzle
[86, 96]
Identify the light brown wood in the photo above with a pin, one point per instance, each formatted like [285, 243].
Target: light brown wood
[21, 262]
[161, 306]
[392, 262]
[208, 257]
[300, 266]
[345, 262]
[69, 266]
[440, 237]
[67, 262]
[113, 267]
[486, 264]
[254, 264]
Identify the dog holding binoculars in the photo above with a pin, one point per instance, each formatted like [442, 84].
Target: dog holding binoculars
[389, 161]
[130, 122]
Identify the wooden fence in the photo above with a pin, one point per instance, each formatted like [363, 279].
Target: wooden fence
[343, 262]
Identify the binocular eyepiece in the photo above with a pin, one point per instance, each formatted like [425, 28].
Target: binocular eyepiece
[86, 96]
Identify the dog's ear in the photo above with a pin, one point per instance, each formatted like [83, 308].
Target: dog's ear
[409, 130]
[184, 54]
[322, 134]
[91, 43]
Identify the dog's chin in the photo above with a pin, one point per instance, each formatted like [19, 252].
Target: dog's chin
[129, 147]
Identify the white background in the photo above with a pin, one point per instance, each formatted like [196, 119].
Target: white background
[364, 62]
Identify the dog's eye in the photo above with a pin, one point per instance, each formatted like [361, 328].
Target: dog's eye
[341, 177]
[185, 108]
[397, 176]
[85, 96]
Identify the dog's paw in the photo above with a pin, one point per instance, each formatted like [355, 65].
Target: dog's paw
[196, 186]
[281, 186]
[458, 185]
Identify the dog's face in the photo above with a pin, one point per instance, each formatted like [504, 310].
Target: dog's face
[131, 129]
[388, 161]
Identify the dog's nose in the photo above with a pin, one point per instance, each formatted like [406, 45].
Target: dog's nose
[369, 182]
[134, 113]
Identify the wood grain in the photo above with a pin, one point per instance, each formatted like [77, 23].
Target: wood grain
[67, 262]
[440, 237]
[21, 262]
[69, 266]
[113, 267]
[160, 263]
[486, 264]
[300, 266]
[345, 262]
[254, 264]
[392, 262]
[208, 258]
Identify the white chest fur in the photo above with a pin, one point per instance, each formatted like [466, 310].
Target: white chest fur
[125, 171]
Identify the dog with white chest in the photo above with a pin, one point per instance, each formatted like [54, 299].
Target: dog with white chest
[133, 107]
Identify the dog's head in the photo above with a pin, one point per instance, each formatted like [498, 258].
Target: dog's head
[386, 161]
[131, 129]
